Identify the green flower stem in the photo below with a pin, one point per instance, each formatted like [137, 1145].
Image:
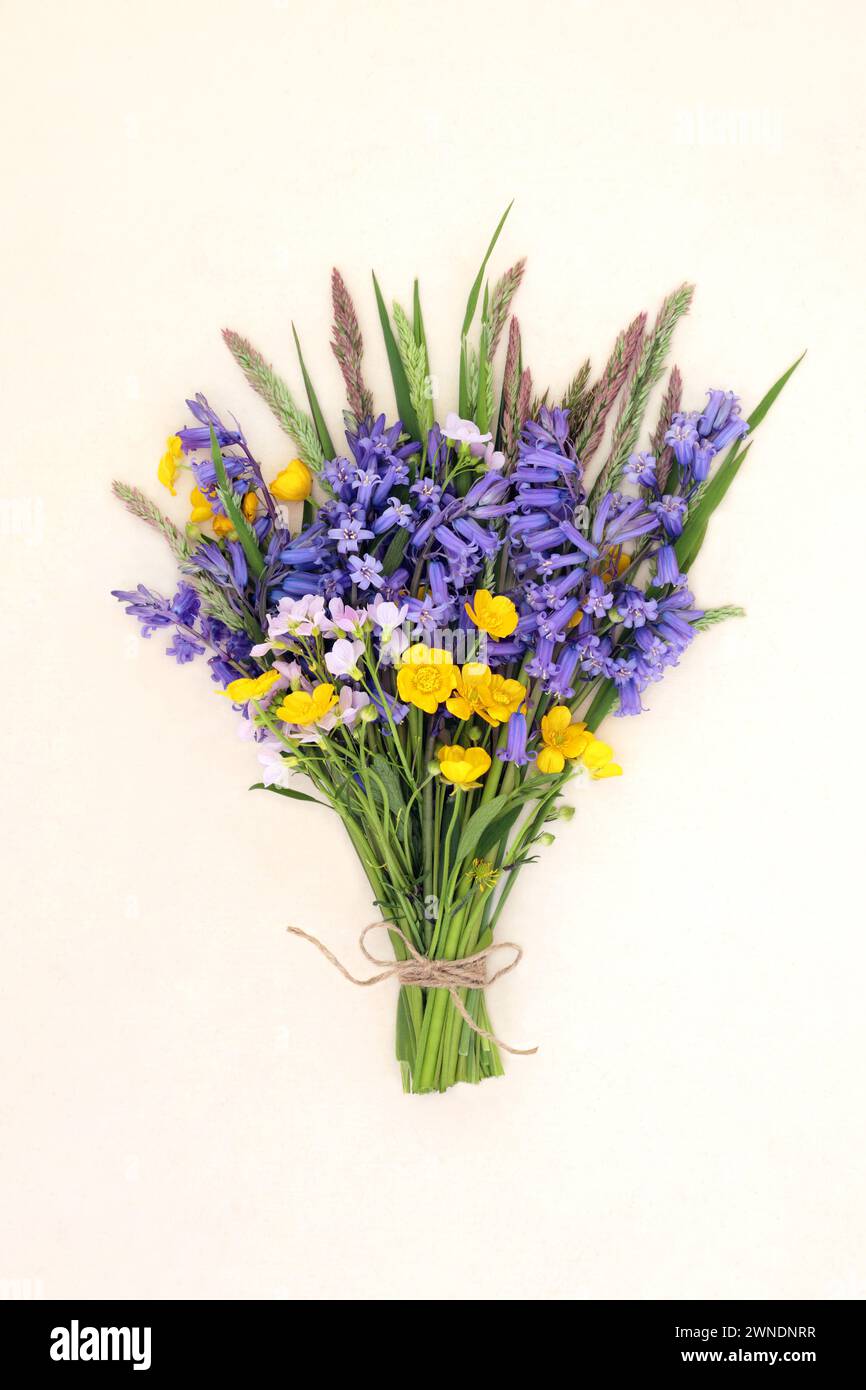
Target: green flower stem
[438, 1001]
[395, 734]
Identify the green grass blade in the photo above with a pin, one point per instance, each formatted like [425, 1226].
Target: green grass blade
[418, 320]
[763, 406]
[472, 302]
[315, 409]
[463, 397]
[246, 535]
[398, 376]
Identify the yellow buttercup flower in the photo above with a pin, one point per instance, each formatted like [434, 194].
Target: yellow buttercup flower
[169, 464]
[240, 691]
[201, 507]
[223, 525]
[294, 483]
[463, 766]
[301, 707]
[495, 616]
[493, 698]
[504, 698]
[597, 758]
[472, 691]
[426, 677]
[561, 739]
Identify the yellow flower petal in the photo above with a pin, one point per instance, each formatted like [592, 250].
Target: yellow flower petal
[201, 507]
[596, 754]
[167, 473]
[556, 721]
[246, 688]
[479, 759]
[459, 707]
[451, 752]
[495, 616]
[504, 698]
[425, 679]
[422, 655]
[574, 741]
[462, 766]
[294, 483]
[550, 760]
[295, 708]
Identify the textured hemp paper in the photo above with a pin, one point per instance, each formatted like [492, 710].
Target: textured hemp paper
[195, 1104]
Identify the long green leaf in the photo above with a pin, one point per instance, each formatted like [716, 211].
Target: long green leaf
[605, 699]
[401, 386]
[478, 822]
[763, 406]
[395, 552]
[497, 832]
[463, 389]
[246, 535]
[482, 416]
[316, 410]
[472, 302]
[289, 791]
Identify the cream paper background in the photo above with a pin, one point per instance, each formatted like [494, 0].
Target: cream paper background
[192, 1103]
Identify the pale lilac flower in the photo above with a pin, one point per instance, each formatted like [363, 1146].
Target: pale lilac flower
[343, 618]
[290, 673]
[342, 659]
[276, 770]
[494, 459]
[392, 648]
[347, 709]
[386, 616]
[464, 431]
[295, 617]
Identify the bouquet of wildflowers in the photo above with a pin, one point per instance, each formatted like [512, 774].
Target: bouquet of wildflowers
[426, 627]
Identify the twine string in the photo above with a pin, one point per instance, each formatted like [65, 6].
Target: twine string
[470, 972]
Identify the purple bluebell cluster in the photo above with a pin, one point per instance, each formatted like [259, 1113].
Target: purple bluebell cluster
[599, 592]
[193, 632]
[596, 583]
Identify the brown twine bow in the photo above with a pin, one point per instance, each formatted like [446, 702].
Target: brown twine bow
[468, 973]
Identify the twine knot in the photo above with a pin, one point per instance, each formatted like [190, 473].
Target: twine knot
[470, 972]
